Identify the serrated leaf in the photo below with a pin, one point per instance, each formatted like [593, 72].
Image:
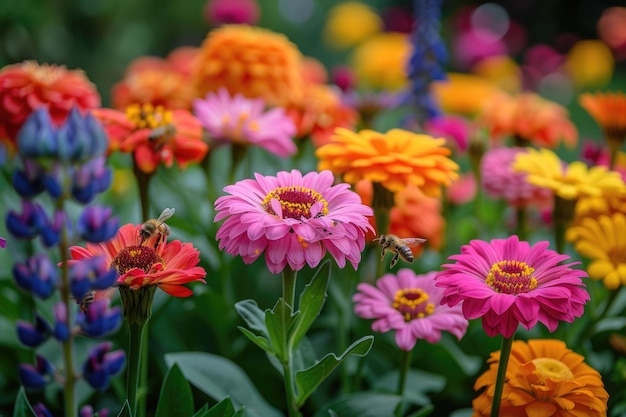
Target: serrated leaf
[311, 302]
[260, 341]
[309, 379]
[22, 405]
[125, 411]
[252, 315]
[175, 399]
[362, 404]
[219, 378]
[279, 322]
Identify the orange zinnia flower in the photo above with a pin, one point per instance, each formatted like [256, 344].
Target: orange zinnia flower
[394, 159]
[529, 117]
[543, 378]
[154, 135]
[167, 266]
[609, 112]
[29, 85]
[255, 62]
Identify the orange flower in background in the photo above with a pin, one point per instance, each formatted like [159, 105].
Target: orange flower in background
[154, 135]
[29, 85]
[255, 62]
[394, 159]
[381, 61]
[350, 23]
[413, 215]
[543, 378]
[609, 112]
[464, 94]
[530, 117]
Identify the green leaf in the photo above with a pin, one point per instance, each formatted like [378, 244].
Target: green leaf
[219, 378]
[260, 341]
[362, 404]
[423, 412]
[202, 412]
[176, 399]
[279, 322]
[311, 302]
[22, 405]
[125, 411]
[309, 379]
[252, 315]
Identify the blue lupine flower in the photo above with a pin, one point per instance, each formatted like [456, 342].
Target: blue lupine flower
[98, 319]
[37, 376]
[61, 329]
[90, 274]
[81, 137]
[28, 223]
[31, 180]
[51, 231]
[102, 364]
[33, 335]
[41, 411]
[91, 178]
[96, 225]
[37, 138]
[37, 275]
[88, 411]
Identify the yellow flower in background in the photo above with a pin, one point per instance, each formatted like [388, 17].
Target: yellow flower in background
[255, 62]
[590, 63]
[603, 241]
[394, 159]
[543, 378]
[381, 61]
[545, 169]
[464, 94]
[502, 71]
[350, 23]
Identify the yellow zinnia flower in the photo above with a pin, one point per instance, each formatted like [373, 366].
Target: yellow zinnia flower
[394, 159]
[590, 63]
[464, 93]
[350, 23]
[381, 61]
[603, 241]
[543, 378]
[255, 62]
[545, 169]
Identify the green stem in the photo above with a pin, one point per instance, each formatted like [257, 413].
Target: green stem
[134, 363]
[143, 185]
[562, 215]
[142, 390]
[404, 371]
[382, 203]
[238, 153]
[289, 287]
[505, 352]
[521, 215]
[289, 295]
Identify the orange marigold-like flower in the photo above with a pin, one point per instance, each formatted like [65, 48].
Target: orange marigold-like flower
[29, 85]
[154, 135]
[252, 61]
[543, 378]
[529, 117]
[609, 112]
[394, 159]
[464, 94]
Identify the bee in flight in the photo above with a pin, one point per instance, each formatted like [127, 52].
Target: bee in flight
[161, 133]
[400, 247]
[86, 301]
[156, 228]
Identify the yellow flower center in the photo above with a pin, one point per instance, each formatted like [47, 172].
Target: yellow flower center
[148, 116]
[131, 257]
[511, 277]
[551, 368]
[295, 202]
[413, 303]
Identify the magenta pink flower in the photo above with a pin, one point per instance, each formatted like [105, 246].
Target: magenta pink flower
[294, 219]
[411, 305]
[508, 282]
[499, 180]
[244, 121]
[454, 129]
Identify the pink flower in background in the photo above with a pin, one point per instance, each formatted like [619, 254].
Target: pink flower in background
[218, 12]
[237, 119]
[3, 242]
[462, 190]
[410, 304]
[454, 129]
[499, 180]
[508, 282]
[294, 219]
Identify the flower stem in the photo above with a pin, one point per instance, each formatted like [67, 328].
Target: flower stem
[404, 371]
[382, 203]
[289, 295]
[521, 215]
[143, 185]
[562, 215]
[505, 352]
[134, 363]
[289, 287]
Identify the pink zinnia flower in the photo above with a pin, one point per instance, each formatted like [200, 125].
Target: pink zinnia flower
[454, 129]
[508, 282]
[294, 219]
[499, 180]
[243, 120]
[410, 304]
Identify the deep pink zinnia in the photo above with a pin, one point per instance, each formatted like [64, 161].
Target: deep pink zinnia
[508, 282]
[294, 219]
[410, 304]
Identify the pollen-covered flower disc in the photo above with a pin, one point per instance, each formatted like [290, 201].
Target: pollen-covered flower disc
[294, 219]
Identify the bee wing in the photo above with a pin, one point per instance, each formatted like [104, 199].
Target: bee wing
[166, 214]
[413, 241]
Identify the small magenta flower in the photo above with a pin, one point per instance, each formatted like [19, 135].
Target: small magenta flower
[41, 410]
[240, 120]
[101, 365]
[37, 275]
[99, 319]
[33, 335]
[507, 282]
[294, 219]
[410, 305]
[88, 411]
[3, 243]
[96, 224]
[36, 376]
